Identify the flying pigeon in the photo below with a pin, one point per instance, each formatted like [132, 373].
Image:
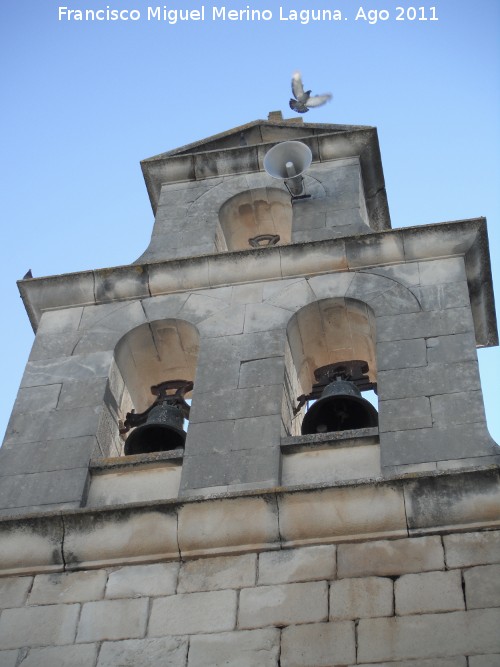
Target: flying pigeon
[303, 100]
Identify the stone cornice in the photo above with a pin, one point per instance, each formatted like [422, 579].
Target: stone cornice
[464, 238]
[419, 504]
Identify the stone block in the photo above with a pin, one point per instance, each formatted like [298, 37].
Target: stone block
[449, 349]
[53, 425]
[208, 574]
[83, 655]
[405, 414]
[38, 626]
[86, 393]
[261, 432]
[80, 367]
[31, 546]
[322, 257]
[318, 645]
[193, 613]
[446, 378]
[467, 549]
[236, 403]
[115, 537]
[57, 321]
[339, 514]
[213, 437]
[290, 565]
[429, 635]
[220, 527]
[456, 661]
[436, 444]
[285, 604]
[62, 587]
[445, 270]
[143, 580]
[482, 586]
[244, 267]
[397, 300]
[51, 346]
[8, 658]
[293, 296]
[250, 648]
[38, 399]
[429, 592]
[121, 282]
[453, 500]
[484, 660]
[261, 372]
[119, 317]
[51, 455]
[440, 297]
[331, 285]
[383, 249]
[39, 490]
[164, 651]
[424, 324]
[367, 597]
[330, 464]
[401, 354]
[14, 591]
[459, 408]
[244, 466]
[389, 557]
[113, 619]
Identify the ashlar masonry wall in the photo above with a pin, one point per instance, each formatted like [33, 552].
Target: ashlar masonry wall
[431, 601]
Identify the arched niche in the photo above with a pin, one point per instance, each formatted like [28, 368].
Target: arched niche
[324, 332]
[155, 352]
[253, 213]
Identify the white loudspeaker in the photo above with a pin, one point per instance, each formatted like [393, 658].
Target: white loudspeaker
[288, 161]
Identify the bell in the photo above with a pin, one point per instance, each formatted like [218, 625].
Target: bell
[340, 408]
[161, 432]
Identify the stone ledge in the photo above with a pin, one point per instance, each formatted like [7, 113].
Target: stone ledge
[464, 238]
[354, 438]
[218, 525]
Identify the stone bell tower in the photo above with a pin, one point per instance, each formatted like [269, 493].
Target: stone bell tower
[289, 521]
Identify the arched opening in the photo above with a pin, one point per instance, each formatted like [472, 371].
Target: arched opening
[147, 357]
[250, 215]
[323, 333]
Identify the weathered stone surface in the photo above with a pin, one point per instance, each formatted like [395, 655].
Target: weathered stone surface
[286, 604]
[361, 598]
[439, 378]
[208, 574]
[459, 408]
[448, 500]
[429, 635]
[79, 367]
[466, 549]
[38, 626]
[405, 413]
[31, 546]
[112, 619]
[389, 557]
[14, 591]
[448, 349]
[222, 527]
[191, 613]
[318, 645]
[484, 660]
[456, 661]
[482, 586]
[156, 482]
[34, 399]
[164, 651]
[63, 587]
[401, 354]
[143, 580]
[328, 515]
[8, 658]
[429, 592]
[64, 454]
[330, 464]
[304, 564]
[247, 648]
[422, 325]
[83, 655]
[120, 536]
[56, 321]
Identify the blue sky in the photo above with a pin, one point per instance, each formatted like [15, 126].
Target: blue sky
[84, 102]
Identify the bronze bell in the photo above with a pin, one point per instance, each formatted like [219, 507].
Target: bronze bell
[338, 405]
[159, 428]
[340, 408]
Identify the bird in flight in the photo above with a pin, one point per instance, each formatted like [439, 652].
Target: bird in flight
[303, 100]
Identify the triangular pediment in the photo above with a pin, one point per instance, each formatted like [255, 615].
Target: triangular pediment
[259, 132]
